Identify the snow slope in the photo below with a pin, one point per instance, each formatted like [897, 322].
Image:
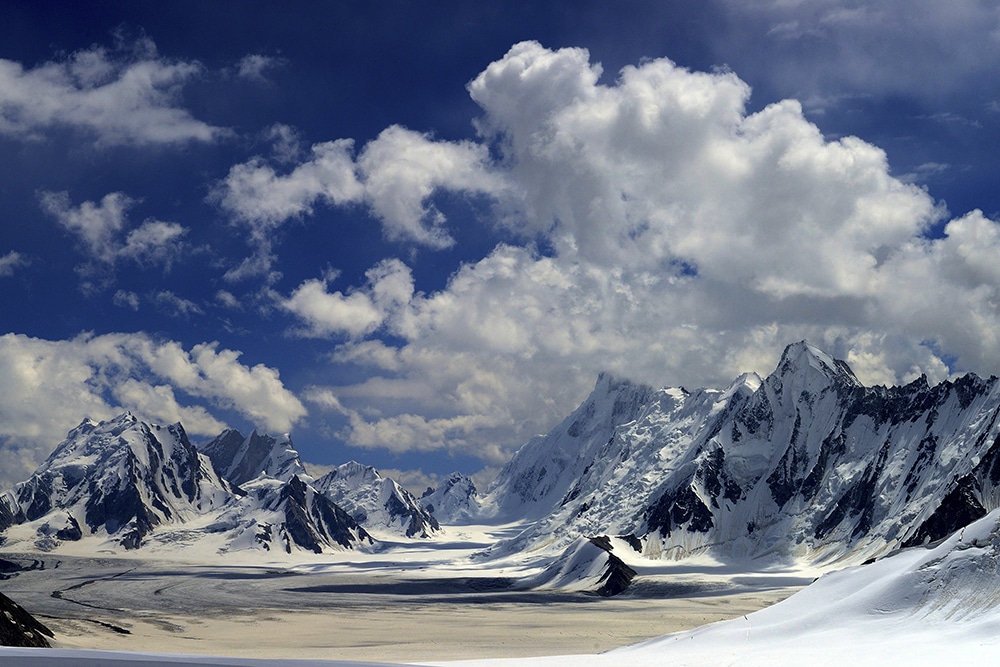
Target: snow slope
[922, 606]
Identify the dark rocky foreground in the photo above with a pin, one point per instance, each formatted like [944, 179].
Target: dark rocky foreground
[19, 628]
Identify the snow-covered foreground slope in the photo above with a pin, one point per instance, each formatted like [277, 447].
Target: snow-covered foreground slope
[921, 606]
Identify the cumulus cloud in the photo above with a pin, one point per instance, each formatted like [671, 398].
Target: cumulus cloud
[401, 169]
[688, 240]
[47, 387]
[128, 95]
[395, 175]
[101, 227]
[359, 312]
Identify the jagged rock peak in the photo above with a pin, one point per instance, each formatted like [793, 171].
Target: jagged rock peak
[120, 478]
[455, 500]
[377, 502]
[240, 459]
[804, 357]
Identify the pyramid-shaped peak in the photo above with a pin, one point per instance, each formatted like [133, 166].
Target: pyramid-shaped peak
[747, 383]
[805, 358]
[352, 470]
[241, 459]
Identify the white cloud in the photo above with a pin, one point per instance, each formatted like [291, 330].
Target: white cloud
[395, 176]
[359, 312]
[126, 299]
[286, 145]
[11, 262]
[690, 241]
[154, 242]
[125, 96]
[401, 169]
[101, 231]
[255, 194]
[47, 387]
[228, 300]
[160, 400]
[254, 66]
[328, 314]
[96, 225]
[175, 305]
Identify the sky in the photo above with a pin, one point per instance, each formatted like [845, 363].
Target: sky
[413, 233]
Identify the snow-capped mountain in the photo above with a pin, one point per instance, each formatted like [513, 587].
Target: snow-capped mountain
[806, 464]
[377, 502]
[546, 467]
[285, 516]
[454, 501]
[240, 459]
[133, 484]
[121, 479]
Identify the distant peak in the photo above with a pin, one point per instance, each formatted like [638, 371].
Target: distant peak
[747, 383]
[609, 383]
[803, 356]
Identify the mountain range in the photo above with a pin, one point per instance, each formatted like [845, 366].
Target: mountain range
[805, 465]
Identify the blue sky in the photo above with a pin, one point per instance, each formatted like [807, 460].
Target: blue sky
[412, 233]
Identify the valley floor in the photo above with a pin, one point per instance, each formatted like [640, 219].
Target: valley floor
[410, 603]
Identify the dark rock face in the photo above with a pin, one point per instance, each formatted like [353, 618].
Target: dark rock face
[10, 514]
[808, 424]
[240, 459]
[312, 520]
[617, 576]
[679, 509]
[958, 509]
[19, 628]
[421, 522]
[71, 532]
